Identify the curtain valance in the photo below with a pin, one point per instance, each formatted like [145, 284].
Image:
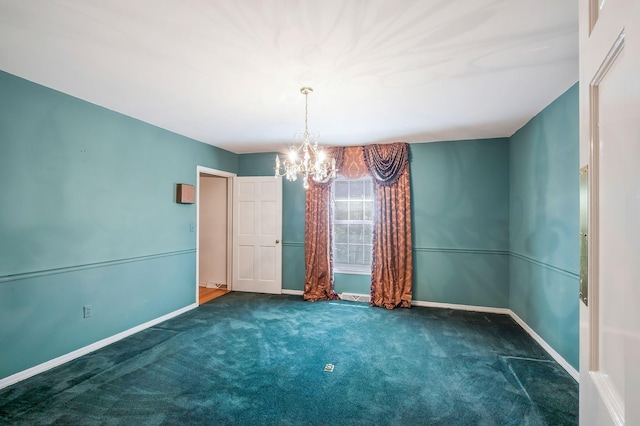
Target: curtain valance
[386, 162]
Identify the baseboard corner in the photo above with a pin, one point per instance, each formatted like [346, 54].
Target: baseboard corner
[554, 354]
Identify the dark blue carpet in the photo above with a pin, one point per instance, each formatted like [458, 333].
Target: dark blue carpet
[253, 359]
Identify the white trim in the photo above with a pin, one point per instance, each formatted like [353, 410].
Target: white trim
[555, 355]
[350, 269]
[503, 311]
[230, 176]
[41, 368]
[609, 396]
[292, 292]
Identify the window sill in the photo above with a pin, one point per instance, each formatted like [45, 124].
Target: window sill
[350, 271]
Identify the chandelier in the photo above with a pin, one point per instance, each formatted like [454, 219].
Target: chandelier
[306, 159]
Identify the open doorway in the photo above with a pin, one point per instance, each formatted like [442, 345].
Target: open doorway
[213, 233]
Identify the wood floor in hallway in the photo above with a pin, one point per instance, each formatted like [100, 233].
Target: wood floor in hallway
[206, 294]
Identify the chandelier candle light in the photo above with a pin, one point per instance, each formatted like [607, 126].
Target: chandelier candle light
[306, 159]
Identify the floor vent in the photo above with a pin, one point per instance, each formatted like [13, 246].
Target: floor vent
[355, 297]
[211, 284]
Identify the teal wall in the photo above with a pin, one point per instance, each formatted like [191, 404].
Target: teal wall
[88, 217]
[544, 224]
[461, 222]
[260, 164]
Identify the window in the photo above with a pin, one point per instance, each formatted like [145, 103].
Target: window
[352, 225]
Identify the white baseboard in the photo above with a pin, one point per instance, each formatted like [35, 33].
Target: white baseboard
[555, 355]
[292, 292]
[457, 307]
[40, 368]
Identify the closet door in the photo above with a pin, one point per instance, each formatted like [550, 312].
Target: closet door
[257, 251]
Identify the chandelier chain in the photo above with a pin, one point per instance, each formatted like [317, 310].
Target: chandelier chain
[306, 112]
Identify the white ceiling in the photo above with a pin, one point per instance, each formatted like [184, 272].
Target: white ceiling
[228, 72]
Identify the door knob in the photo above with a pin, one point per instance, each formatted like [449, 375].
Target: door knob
[277, 241]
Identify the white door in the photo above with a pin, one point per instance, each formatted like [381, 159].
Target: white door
[257, 231]
[610, 147]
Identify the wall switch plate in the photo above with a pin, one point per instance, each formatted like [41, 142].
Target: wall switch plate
[86, 311]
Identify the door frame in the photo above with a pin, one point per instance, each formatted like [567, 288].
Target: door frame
[230, 179]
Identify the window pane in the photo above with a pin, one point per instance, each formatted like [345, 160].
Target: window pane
[368, 190]
[341, 253]
[356, 234]
[357, 189]
[368, 234]
[367, 254]
[341, 210]
[340, 233]
[356, 210]
[341, 190]
[356, 254]
[368, 210]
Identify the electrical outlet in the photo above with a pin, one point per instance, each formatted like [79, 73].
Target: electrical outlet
[87, 311]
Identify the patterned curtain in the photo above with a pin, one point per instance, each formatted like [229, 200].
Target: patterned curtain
[318, 281]
[392, 266]
[391, 270]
